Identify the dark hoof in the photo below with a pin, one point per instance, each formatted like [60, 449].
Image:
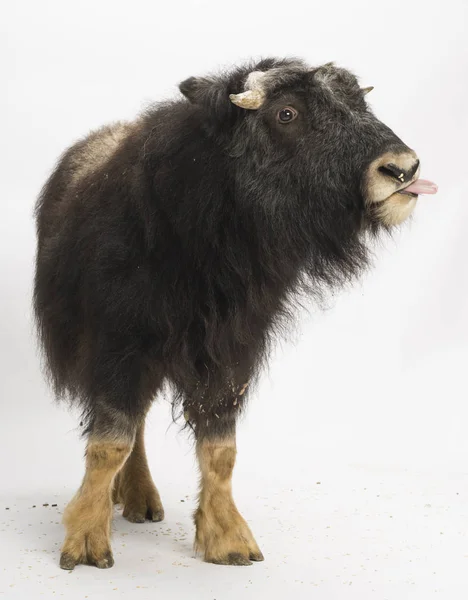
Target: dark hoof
[106, 562]
[155, 515]
[67, 562]
[235, 559]
[135, 517]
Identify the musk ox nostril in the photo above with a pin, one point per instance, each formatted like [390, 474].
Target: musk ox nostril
[391, 170]
[399, 173]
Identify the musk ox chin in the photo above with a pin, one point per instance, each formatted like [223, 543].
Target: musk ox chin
[169, 249]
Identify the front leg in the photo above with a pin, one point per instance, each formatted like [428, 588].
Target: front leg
[88, 516]
[221, 532]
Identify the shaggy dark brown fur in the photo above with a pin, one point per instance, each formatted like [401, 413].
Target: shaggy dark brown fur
[170, 249]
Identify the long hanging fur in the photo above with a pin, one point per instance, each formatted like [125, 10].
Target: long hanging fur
[171, 248]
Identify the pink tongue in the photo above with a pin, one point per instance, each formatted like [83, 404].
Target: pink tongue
[422, 186]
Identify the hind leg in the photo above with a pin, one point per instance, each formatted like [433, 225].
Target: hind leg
[124, 386]
[134, 487]
[111, 437]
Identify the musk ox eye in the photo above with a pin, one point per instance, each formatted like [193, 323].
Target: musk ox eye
[286, 115]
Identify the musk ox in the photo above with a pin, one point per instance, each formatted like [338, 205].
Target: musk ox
[169, 251]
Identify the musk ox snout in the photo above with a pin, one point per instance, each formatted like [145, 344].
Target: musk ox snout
[392, 185]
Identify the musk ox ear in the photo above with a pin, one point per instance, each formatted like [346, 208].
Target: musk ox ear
[190, 88]
[212, 94]
[201, 90]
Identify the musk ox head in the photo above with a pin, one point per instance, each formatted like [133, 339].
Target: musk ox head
[309, 134]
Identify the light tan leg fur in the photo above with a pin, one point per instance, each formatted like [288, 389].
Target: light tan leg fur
[88, 516]
[134, 487]
[222, 534]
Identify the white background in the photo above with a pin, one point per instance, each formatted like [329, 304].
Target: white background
[370, 398]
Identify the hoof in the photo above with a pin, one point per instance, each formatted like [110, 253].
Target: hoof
[139, 516]
[67, 562]
[257, 556]
[106, 562]
[235, 559]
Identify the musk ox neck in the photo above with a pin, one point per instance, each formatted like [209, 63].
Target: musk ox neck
[238, 219]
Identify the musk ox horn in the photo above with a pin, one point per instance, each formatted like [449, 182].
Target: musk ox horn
[254, 95]
[250, 99]
[366, 90]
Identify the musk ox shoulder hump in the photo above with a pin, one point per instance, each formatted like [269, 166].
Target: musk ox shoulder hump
[93, 152]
